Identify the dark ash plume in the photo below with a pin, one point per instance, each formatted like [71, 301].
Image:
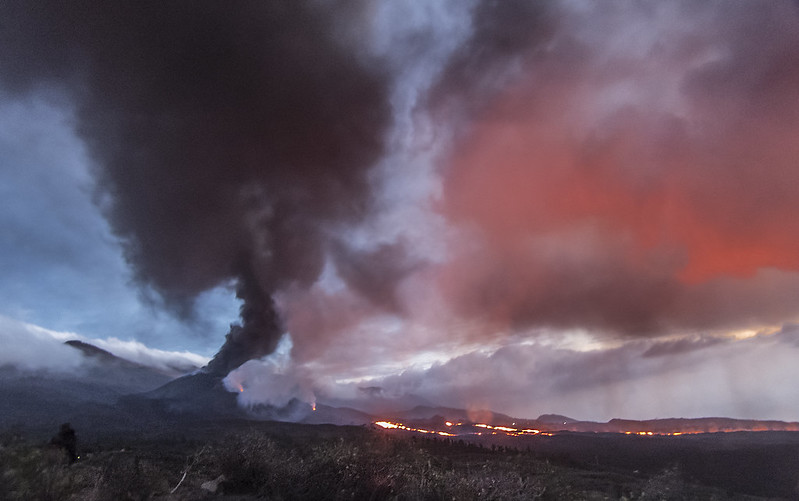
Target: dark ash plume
[219, 131]
[259, 331]
[504, 35]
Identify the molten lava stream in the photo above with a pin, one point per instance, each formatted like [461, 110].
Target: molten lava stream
[456, 430]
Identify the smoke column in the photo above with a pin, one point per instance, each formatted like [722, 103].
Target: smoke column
[228, 138]
[259, 331]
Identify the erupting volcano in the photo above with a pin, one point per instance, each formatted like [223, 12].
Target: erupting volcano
[519, 206]
[404, 223]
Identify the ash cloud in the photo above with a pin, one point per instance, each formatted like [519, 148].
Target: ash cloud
[633, 174]
[375, 274]
[228, 138]
[603, 169]
[503, 37]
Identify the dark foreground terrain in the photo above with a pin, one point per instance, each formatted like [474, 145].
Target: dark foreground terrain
[235, 459]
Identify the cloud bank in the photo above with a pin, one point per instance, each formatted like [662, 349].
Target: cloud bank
[32, 348]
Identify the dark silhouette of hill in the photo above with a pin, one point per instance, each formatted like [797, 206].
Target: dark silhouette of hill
[325, 414]
[555, 419]
[93, 351]
[172, 369]
[425, 412]
[85, 396]
[194, 395]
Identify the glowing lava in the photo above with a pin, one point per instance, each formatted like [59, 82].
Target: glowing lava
[461, 429]
[400, 426]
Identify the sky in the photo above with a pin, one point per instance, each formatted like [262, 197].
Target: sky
[531, 207]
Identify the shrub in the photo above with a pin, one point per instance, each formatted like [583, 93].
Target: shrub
[34, 473]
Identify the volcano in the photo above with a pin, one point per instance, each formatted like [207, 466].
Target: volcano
[199, 394]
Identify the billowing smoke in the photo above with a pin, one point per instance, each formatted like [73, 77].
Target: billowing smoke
[612, 171]
[229, 138]
[399, 183]
[258, 333]
[633, 174]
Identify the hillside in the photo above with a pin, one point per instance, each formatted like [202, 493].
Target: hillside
[40, 400]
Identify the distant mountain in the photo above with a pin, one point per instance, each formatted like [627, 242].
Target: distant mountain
[119, 375]
[429, 415]
[198, 394]
[372, 400]
[432, 418]
[555, 419]
[337, 415]
[699, 425]
[172, 370]
[109, 393]
[42, 399]
[465, 421]
[92, 351]
[423, 412]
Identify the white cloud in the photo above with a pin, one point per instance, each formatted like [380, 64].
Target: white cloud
[138, 352]
[32, 347]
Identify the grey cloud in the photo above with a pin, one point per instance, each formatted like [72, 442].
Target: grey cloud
[745, 378]
[680, 346]
[789, 334]
[375, 274]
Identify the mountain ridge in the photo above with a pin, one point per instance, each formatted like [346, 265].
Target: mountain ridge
[109, 390]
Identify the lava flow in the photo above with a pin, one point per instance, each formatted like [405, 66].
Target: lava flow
[664, 427]
[399, 426]
[460, 429]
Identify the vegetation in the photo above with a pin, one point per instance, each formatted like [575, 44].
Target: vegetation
[343, 463]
